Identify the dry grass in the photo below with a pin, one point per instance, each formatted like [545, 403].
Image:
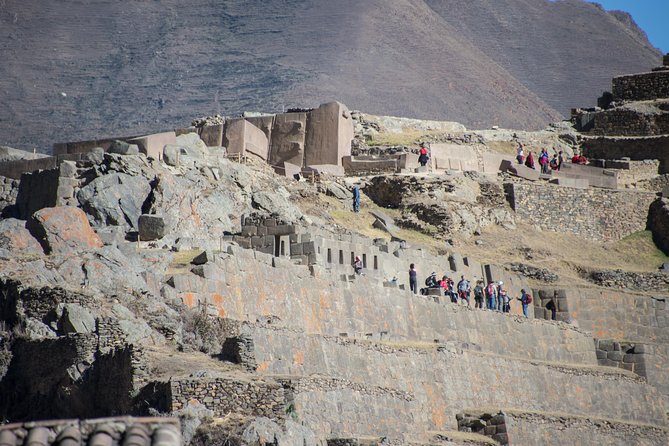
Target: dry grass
[181, 261]
[406, 137]
[563, 253]
[463, 437]
[341, 214]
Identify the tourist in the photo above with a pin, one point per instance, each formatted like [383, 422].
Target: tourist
[491, 295]
[413, 279]
[506, 301]
[500, 303]
[356, 198]
[560, 160]
[543, 161]
[443, 284]
[464, 289]
[431, 281]
[529, 161]
[478, 294]
[555, 163]
[520, 156]
[423, 155]
[525, 299]
[357, 265]
[451, 291]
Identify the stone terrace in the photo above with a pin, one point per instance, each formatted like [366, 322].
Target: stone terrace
[359, 359]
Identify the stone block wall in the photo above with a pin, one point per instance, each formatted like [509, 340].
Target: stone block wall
[641, 148]
[641, 87]
[230, 395]
[595, 214]
[48, 188]
[533, 428]
[633, 171]
[490, 424]
[623, 355]
[428, 383]
[364, 308]
[626, 122]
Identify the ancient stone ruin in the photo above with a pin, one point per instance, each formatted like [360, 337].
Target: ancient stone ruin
[174, 289]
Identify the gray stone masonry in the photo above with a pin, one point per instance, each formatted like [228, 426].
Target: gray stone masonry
[490, 424]
[624, 355]
[595, 214]
[641, 87]
[251, 397]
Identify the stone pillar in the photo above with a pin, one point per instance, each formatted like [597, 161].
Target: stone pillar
[329, 135]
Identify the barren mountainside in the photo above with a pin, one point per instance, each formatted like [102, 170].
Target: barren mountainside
[79, 70]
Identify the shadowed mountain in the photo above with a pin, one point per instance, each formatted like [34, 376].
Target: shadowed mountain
[85, 69]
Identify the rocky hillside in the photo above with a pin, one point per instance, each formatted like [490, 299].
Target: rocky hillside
[77, 70]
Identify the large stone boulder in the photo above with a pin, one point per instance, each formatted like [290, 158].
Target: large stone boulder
[14, 237]
[75, 319]
[188, 149]
[115, 199]
[658, 223]
[61, 230]
[123, 148]
[151, 227]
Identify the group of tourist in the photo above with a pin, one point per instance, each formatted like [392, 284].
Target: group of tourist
[546, 163]
[492, 296]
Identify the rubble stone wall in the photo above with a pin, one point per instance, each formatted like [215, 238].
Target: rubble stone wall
[596, 214]
[227, 395]
[652, 147]
[9, 189]
[624, 122]
[641, 87]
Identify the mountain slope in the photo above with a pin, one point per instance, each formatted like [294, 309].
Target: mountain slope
[91, 68]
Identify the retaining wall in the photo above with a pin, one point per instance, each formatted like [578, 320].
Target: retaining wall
[625, 122]
[435, 382]
[641, 87]
[596, 214]
[230, 395]
[530, 429]
[245, 289]
[643, 148]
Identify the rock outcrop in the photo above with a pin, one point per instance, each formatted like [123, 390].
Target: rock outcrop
[658, 223]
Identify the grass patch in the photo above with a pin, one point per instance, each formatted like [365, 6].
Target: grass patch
[181, 261]
[406, 137]
[641, 250]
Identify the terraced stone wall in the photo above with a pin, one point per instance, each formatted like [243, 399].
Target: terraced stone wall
[641, 87]
[653, 147]
[559, 429]
[319, 302]
[624, 318]
[427, 385]
[624, 122]
[596, 214]
[229, 395]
